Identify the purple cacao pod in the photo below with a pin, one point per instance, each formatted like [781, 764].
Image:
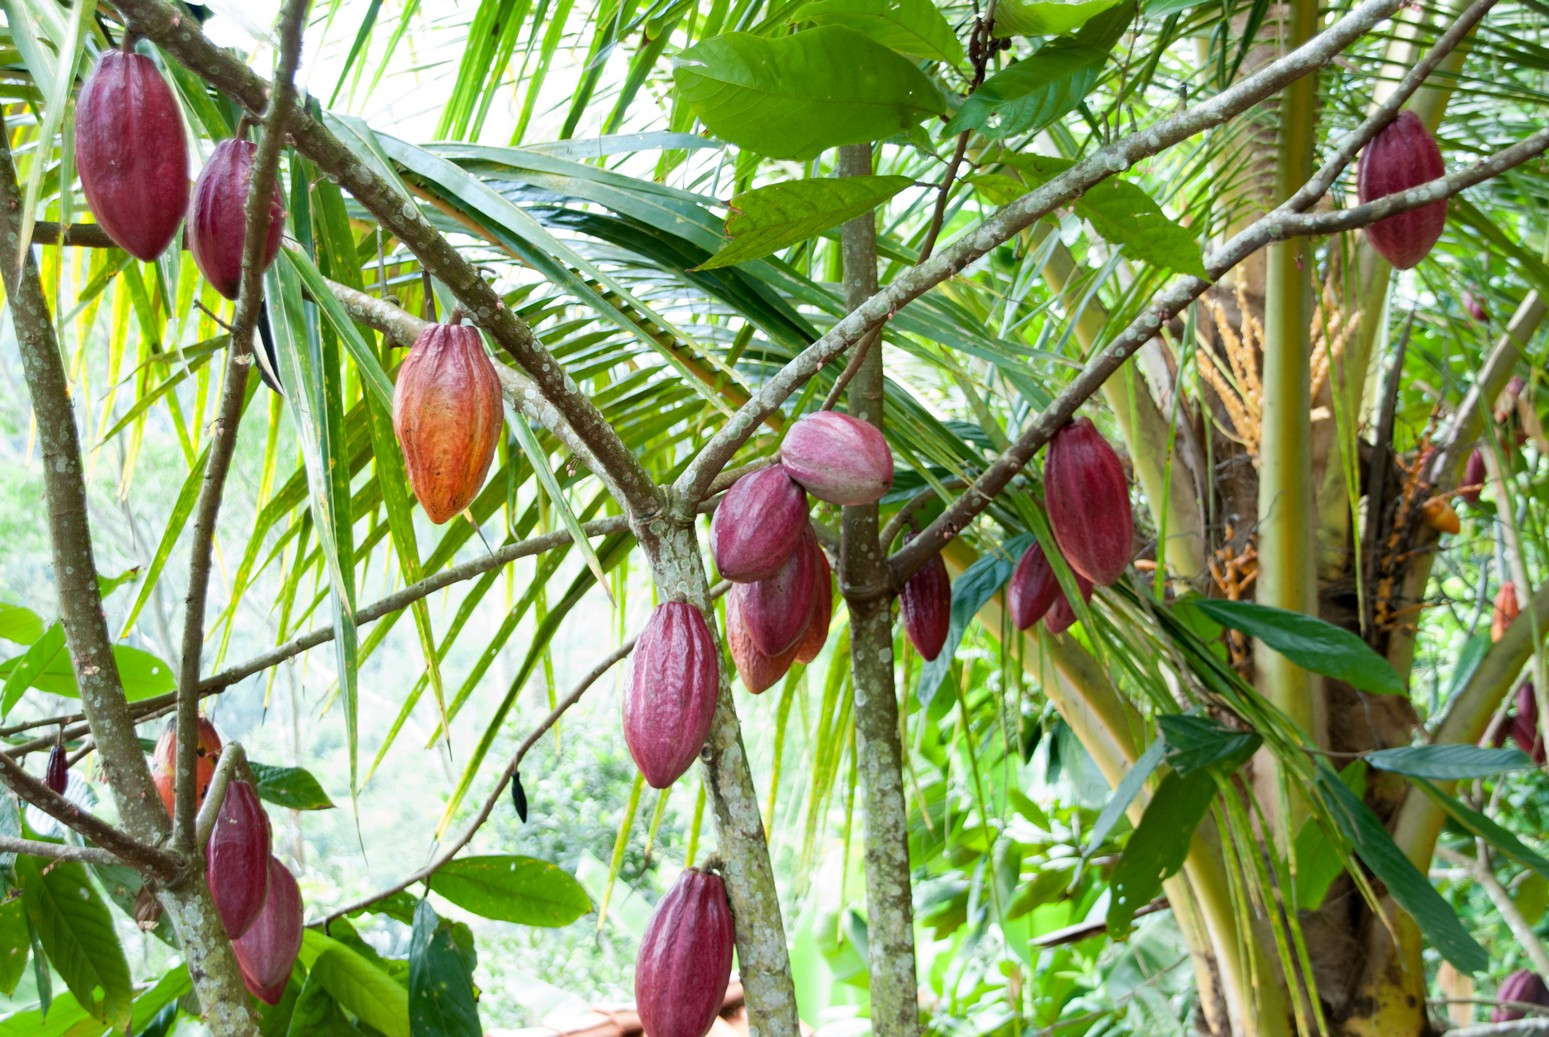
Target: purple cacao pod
[267, 952]
[1474, 474]
[778, 609]
[838, 459]
[57, 774]
[1062, 614]
[816, 637]
[925, 604]
[1524, 725]
[684, 964]
[1087, 498]
[1475, 307]
[757, 671]
[673, 686]
[217, 221]
[1034, 587]
[758, 524]
[236, 859]
[1401, 156]
[448, 418]
[131, 153]
[1524, 987]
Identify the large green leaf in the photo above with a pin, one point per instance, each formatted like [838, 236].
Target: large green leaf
[20, 624]
[797, 96]
[441, 998]
[913, 27]
[144, 675]
[77, 933]
[1449, 762]
[1158, 846]
[512, 889]
[1045, 17]
[360, 986]
[767, 219]
[1307, 641]
[1032, 93]
[290, 787]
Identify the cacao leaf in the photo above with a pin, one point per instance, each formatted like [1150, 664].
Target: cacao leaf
[19, 624]
[767, 219]
[291, 787]
[362, 988]
[15, 942]
[1044, 17]
[1307, 641]
[1482, 825]
[1032, 93]
[1449, 762]
[76, 930]
[913, 27]
[1197, 742]
[441, 998]
[1158, 846]
[512, 889]
[144, 675]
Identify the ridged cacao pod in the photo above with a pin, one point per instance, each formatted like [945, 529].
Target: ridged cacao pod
[838, 459]
[1474, 475]
[1524, 987]
[757, 671]
[267, 952]
[816, 637]
[1401, 156]
[673, 686]
[236, 859]
[778, 609]
[131, 154]
[1506, 610]
[1062, 614]
[684, 964]
[1087, 498]
[164, 763]
[758, 524]
[925, 603]
[1524, 725]
[217, 220]
[448, 417]
[1033, 587]
[57, 774]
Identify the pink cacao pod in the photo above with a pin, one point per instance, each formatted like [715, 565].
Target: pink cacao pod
[778, 609]
[267, 952]
[758, 524]
[1475, 307]
[757, 671]
[925, 604]
[1474, 474]
[236, 859]
[673, 686]
[217, 221]
[57, 775]
[1034, 587]
[1087, 498]
[1524, 725]
[131, 153]
[448, 417]
[1524, 987]
[838, 459]
[684, 964]
[1062, 614]
[1401, 156]
[816, 637]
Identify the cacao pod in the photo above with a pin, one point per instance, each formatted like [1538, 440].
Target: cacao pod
[1524, 725]
[925, 603]
[147, 910]
[673, 686]
[267, 952]
[816, 637]
[1062, 614]
[1474, 475]
[217, 221]
[1087, 498]
[1475, 307]
[236, 859]
[837, 458]
[1506, 610]
[1440, 516]
[1401, 156]
[1524, 987]
[757, 671]
[684, 964]
[778, 609]
[448, 417]
[1506, 403]
[758, 524]
[1033, 587]
[131, 154]
[57, 775]
[164, 763]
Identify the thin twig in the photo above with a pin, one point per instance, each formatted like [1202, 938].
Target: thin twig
[61, 852]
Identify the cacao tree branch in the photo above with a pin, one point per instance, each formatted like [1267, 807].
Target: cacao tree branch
[62, 852]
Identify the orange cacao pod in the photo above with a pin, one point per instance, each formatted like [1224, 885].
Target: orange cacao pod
[447, 414]
[757, 671]
[1401, 156]
[1087, 497]
[164, 763]
[1524, 987]
[57, 775]
[267, 952]
[217, 219]
[822, 609]
[925, 603]
[758, 524]
[131, 154]
[237, 858]
[673, 686]
[684, 964]
[778, 609]
[1506, 610]
[838, 458]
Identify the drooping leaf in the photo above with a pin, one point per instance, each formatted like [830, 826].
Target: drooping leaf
[292, 787]
[15, 943]
[441, 1000]
[768, 219]
[1158, 846]
[1307, 641]
[1449, 762]
[361, 987]
[76, 931]
[1032, 93]
[913, 27]
[512, 889]
[1483, 826]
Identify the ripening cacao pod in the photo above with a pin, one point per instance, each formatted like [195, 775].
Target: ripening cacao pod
[1475, 307]
[778, 609]
[1524, 987]
[57, 775]
[1440, 516]
[838, 459]
[217, 219]
[448, 418]
[1401, 156]
[1474, 475]
[1087, 498]
[812, 641]
[757, 671]
[267, 952]
[684, 964]
[1033, 587]
[131, 154]
[1506, 610]
[236, 859]
[758, 524]
[1062, 614]
[673, 686]
[164, 763]
[925, 603]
